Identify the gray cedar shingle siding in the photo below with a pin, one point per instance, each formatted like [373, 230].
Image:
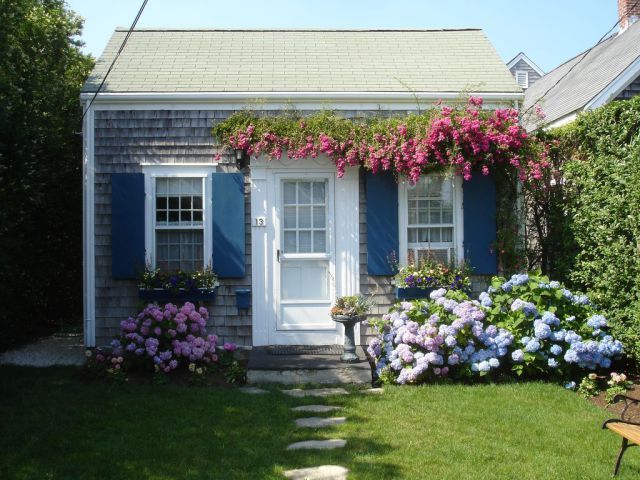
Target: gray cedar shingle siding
[524, 66]
[126, 138]
[631, 91]
[123, 140]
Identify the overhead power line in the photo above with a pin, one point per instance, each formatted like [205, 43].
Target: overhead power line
[605, 36]
[113, 62]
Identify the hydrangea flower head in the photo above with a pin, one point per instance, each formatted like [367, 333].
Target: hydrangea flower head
[517, 355]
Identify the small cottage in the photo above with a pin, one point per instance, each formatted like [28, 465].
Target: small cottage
[286, 237]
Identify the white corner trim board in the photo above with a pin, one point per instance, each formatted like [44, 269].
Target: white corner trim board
[88, 243]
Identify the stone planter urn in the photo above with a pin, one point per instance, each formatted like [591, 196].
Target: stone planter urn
[349, 322]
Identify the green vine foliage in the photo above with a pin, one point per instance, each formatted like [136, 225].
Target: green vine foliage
[254, 130]
[288, 124]
[602, 176]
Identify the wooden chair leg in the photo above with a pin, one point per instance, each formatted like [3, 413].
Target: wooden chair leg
[625, 444]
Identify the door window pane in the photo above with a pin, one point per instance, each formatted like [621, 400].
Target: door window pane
[304, 219]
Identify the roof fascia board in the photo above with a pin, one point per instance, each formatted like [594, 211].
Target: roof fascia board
[522, 56]
[286, 97]
[614, 88]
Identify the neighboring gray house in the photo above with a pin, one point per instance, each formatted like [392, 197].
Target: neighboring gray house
[148, 145]
[524, 70]
[609, 71]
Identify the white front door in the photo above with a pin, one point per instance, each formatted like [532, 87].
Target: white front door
[304, 249]
[305, 259]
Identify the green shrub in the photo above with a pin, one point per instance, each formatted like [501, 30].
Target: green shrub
[603, 190]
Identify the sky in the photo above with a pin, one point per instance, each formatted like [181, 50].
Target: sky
[548, 31]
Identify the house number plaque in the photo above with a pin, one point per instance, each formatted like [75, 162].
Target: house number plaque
[260, 221]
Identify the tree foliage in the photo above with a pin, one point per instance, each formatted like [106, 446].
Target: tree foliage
[41, 72]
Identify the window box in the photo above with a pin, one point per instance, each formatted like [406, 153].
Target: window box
[406, 293]
[181, 295]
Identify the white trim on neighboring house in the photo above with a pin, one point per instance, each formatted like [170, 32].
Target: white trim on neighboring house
[458, 219]
[562, 121]
[521, 56]
[153, 171]
[88, 243]
[617, 86]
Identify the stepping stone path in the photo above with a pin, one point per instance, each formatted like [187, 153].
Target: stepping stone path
[316, 408]
[319, 422]
[253, 390]
[325, 472]
[373, 391]
[318, 444]
[315, 392]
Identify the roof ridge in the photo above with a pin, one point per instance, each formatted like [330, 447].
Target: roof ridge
[338, 30]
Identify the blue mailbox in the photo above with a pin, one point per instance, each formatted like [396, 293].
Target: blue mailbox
[243, 298]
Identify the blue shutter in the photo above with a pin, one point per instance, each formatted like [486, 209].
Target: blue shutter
[127, 225]
[382, 222]
[479, 205]
[228, 256]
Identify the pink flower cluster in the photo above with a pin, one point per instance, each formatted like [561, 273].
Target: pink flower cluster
[164, 336]
[464, 140]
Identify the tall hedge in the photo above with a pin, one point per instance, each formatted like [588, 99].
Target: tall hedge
[41, 71]
[602, 178]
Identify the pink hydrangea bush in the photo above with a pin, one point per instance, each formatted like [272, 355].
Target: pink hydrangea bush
[167, 337]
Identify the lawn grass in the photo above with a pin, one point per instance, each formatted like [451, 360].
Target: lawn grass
[55, 427]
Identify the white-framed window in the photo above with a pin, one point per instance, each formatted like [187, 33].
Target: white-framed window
[178, 213]
[522, 78]
[431, 219]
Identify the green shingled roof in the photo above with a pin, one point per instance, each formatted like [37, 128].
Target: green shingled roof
[303, 61]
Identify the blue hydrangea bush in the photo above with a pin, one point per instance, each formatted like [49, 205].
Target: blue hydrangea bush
[524, 325]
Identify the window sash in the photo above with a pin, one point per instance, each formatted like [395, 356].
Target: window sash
[190, 255]
[414, 205]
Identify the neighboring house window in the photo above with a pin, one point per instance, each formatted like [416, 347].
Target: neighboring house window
[522, 78]
[178, 233]
[431, 219]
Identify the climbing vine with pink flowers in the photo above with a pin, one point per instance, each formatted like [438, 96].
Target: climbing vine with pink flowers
[466, 140]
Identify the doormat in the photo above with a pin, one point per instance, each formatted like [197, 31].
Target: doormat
[305, 350]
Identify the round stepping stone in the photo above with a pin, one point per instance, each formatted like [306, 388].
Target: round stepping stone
[253, 390]
[318, 444]
[316, 408]
[315, 392]
[324, 472]
[373, 391]
[319, 422]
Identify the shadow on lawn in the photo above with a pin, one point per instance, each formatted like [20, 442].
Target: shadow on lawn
[63, 428]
